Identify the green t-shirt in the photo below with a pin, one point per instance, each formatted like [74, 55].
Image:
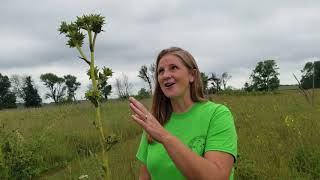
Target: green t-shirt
[204, 127]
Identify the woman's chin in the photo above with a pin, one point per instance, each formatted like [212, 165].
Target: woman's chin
[171, 95]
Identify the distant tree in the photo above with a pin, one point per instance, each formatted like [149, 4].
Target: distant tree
[205, 80]
[17, 83]
[72, 85]
[310, 73]
[31, 96]
[225, 77]
[106, 91]
[7, 98]
[146, 76]
[127, 85]
[55, 85]
[123, 87]
[265, 76]
[247, 87]
[143, 93]
[152, 70]
[215, 82]
[120, 89]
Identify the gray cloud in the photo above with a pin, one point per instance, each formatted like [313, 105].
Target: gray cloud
[227, 36]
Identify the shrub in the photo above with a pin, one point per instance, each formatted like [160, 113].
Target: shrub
[20, 157]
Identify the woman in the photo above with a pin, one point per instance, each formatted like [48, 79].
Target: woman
[185, 136]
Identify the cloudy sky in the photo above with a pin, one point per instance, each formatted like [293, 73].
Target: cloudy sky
[223, 36]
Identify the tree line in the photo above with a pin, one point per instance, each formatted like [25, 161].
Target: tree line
[264, 77]
[59, 90]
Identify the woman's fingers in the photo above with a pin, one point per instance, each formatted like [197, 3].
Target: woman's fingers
[139, 121]
[137, 111]
[137, 104]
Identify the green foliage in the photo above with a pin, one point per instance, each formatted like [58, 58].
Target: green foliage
[55, 85]
[21, 158]
[111, 140]
[310, 69]
[73, 33]
[94, 96]
[102, 84]
[31, 96]
[72, 86]
[90, 23]
[143, 93]
[264, 77]
[103, 77]
[7, 98]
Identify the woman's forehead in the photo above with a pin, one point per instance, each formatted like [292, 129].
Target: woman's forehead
[168, 60]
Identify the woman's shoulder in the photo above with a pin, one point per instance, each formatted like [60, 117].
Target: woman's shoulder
[212, 107]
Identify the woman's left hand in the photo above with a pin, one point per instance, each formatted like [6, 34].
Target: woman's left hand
[147, 121]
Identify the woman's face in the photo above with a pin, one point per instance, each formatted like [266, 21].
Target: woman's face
[174, 77]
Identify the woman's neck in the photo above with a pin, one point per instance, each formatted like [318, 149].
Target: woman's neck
[181, 105]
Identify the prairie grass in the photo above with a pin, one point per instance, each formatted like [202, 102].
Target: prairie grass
[278, 137]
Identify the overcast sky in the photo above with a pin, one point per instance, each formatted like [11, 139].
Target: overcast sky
[223, 36]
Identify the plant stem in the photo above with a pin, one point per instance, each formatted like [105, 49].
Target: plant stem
[107, 175]
[82, 54]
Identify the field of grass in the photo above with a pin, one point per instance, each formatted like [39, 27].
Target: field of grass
[278, 138]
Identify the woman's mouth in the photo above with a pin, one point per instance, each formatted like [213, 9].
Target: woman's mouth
[169, 84]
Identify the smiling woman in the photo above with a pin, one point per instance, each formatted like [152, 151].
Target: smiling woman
[185, 136]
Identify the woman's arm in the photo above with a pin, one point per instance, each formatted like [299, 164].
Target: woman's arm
[214, 165]
[144, 173]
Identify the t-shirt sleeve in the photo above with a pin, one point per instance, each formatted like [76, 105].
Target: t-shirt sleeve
[143, 149]
[222, 134]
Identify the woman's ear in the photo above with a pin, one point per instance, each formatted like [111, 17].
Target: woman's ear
[192, 76]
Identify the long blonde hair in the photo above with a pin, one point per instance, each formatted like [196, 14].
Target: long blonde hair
[161, 105]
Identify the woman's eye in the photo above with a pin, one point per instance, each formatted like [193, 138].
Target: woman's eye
[160, 71]
[174, 67]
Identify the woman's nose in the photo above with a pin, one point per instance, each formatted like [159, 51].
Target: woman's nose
[166, 74]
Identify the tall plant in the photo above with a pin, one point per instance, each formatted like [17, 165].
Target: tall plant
[74, 31]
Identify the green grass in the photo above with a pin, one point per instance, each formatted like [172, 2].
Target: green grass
[278, 137]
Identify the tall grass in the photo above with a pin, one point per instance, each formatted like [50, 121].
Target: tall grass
[278, 137]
